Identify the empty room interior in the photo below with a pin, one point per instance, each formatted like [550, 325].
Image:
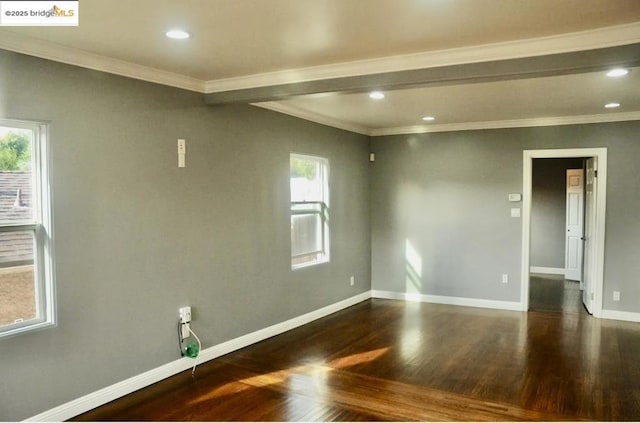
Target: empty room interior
[328, 210]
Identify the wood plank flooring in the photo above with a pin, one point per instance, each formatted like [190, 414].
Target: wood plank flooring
[554, 293]
[391, 360]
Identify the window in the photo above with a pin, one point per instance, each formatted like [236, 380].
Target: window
[26, 276]
[309, 178]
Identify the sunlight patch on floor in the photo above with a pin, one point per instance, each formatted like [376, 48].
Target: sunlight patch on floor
[359, 358]
[300, 377]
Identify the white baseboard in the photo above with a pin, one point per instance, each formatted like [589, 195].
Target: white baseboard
[547, 270]
[621, 315]
[110, 393]
[439, 299]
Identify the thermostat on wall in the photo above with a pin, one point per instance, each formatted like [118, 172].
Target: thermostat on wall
[515, 197]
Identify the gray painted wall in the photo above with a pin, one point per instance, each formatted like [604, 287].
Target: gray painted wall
[447, 194]
[548, 211]
[136, 237]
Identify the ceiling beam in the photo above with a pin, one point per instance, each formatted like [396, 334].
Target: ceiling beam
[500, 70]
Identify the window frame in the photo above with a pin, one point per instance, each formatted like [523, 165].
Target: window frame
[321, 209]
[42, 228]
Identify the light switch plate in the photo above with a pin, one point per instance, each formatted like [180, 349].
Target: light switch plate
[514, 198]
[182, 150]
[515, 212]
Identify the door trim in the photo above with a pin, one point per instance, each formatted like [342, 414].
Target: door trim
[600, 210]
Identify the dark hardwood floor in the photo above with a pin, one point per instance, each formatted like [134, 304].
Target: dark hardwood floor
[391, 360]
[554, 293]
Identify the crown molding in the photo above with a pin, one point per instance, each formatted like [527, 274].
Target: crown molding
[514, 123]
[58, 53]
[563, 43]
[448, 127]
[311, 116]
[611, 36]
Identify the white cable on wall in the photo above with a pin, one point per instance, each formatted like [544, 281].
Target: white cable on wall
[195, 359]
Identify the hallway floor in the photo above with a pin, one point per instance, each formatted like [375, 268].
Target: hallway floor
[554, 293]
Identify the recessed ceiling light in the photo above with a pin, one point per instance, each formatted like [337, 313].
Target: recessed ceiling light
[612, 105]
[617, 72]
[428, 118]
[177, 34]
[376, 95]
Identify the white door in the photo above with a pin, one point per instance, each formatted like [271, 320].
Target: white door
[589, 231]
[574, 225]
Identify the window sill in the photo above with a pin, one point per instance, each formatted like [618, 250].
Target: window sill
[311, 264]
[33, 327]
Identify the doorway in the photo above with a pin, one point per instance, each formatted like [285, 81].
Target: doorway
[595, 210]
[557, 217]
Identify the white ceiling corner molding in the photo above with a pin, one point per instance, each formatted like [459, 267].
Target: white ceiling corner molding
[58, 53]
[310, 116]
[611, 36]
[501, 124]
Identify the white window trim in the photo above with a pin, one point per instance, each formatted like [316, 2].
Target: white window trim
[325, 258]
[43, 228]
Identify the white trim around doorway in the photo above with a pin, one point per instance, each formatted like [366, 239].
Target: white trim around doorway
[601, 202]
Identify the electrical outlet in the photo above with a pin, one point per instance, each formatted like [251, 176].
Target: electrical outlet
[505, 278]
[616, 295]
[185, 314]
[352, 280]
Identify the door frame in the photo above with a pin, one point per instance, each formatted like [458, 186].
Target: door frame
[599, 212]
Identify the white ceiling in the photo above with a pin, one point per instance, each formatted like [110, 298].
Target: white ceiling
[248, 43]
[520, 102]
